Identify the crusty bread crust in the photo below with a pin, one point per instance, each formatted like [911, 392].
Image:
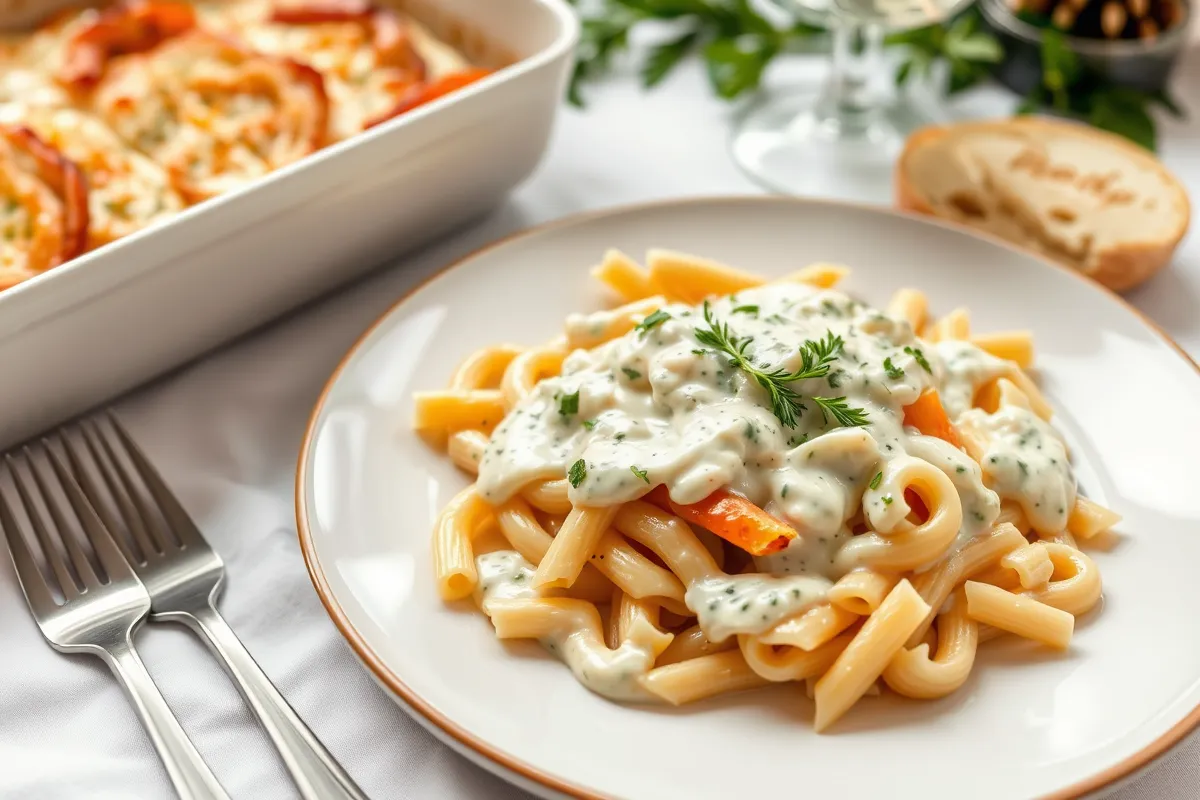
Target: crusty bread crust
[1119, 268]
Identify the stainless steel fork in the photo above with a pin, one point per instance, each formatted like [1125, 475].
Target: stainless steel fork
[184, 576]
[98, 613]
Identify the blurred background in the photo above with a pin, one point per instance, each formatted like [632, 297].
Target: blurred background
[817, 97]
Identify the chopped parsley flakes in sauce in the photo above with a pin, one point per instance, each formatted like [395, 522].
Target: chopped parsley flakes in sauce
[663, 407]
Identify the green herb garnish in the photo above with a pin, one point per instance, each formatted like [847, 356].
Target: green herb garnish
[752, 310]
[641, 473]
[887, 499]
[787, 405]
[577, 474]
[919, 357]
[588, 424]
[840, 410]
[651, 322]
[568, 404]
[878, 479]
[893, 372]
[632, 374]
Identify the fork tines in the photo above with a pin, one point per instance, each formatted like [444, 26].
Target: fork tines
[61, 518]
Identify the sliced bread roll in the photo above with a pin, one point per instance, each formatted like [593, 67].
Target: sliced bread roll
[1081, 196]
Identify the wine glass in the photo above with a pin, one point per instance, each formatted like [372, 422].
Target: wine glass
[842, 140]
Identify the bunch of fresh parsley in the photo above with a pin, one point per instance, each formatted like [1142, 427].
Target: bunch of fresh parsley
[737, 44]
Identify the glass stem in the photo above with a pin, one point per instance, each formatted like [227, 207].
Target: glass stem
[849, 101]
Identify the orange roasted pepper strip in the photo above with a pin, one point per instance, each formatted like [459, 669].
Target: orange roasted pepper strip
[929, 417]
[732, 517]
[128, 27]
[420, 94]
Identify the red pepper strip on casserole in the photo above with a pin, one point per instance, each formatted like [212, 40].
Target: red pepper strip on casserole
[129, 27]
[44, 217]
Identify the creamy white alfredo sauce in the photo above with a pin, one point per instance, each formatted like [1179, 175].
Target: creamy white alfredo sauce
[658, 407]
[506, 575]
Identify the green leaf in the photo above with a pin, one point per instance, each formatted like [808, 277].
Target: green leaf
[1164, 99]
[662, 59]
[599, 39]
[964, 75]
[1061, 68]
[1124, 112]
[1029, 105]
[904, 71]
[978, 47]
[666, 9]
[578, 76]
[928, 38]
[736, 65]
[750, 20]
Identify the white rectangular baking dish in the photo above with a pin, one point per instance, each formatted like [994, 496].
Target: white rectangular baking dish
[91, 329]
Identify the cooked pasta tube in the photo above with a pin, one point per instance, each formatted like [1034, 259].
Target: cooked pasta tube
[1075, 586]
[1015, 346]
[861, 591]
[1089, 518]
[527, 536]
[1032, 565]
[458, 409]
[484, 368]
[465, 449]
[453, 556]
[935, 585]
[821, 274]
[911, 306]
[529, 367]
[549, 496]
[669, 537]
[690, 279]
[624, 276]
[633, 620]
[701, 678]
[592, 330]
[811, 629]
[1019, 614]
[917, 673]
[692, 643]
[571, 629]
[900, 545]
[573, 546]
[869, 652]
[782, 663]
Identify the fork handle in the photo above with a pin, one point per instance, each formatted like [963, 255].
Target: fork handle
[192, 778]
[316, 773]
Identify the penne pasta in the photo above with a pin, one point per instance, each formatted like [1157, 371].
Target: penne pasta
[1018, 614]
[868, 653]
[701, 678]
[1015, 346]
[624, 276]
[775, 484]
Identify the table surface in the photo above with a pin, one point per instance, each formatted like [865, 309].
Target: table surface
[225, 433]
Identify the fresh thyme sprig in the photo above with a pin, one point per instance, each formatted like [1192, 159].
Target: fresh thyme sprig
[840, 410]
[816, 358]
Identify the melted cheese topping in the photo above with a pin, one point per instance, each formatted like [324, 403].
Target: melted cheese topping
[215, 116]
[126, 190]
[360, 90]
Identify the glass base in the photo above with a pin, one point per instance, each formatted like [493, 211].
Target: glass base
[784, 144]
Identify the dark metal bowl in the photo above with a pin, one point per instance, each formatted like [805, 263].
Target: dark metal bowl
[1138, 64]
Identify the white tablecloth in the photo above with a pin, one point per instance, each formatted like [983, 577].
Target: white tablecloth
[225, 433]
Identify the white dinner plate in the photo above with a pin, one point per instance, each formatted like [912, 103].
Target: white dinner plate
[1029, 723]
